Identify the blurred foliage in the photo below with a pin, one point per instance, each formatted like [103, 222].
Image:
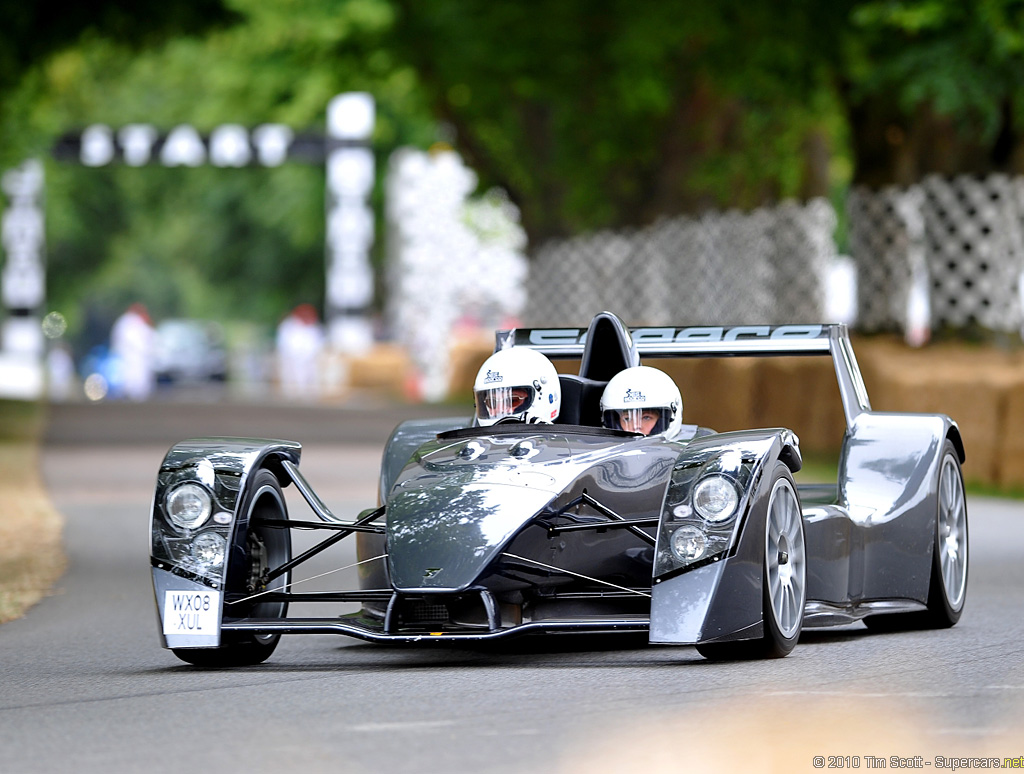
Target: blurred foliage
[935, 87]
[29, 32]
[594, 114]
[187, 242]
[962, 59]
[590, 113]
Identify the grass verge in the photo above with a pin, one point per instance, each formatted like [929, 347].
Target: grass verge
[31, 554]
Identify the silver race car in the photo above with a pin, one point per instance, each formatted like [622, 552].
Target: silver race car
[485, 533]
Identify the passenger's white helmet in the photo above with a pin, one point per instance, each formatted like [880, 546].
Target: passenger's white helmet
[632, 391]
[520, 383]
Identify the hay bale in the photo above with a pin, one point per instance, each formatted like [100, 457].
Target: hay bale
[800, 393]
[383, 369]
[1010, 452]
[717, 392]
[466, 357]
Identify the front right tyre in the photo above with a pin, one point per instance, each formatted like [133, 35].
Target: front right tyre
[784, 578]
[264, 547]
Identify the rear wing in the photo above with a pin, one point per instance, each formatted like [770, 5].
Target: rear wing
[716, 341]
[680, 342]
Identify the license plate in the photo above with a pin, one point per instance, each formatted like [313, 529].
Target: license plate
[194, 613]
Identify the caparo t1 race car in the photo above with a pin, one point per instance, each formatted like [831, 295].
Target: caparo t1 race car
[484, 533]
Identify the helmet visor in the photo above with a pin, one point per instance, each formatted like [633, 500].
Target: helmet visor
[499, 402]
[646, 421]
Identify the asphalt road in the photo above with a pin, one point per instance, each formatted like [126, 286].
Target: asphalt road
[85, 685]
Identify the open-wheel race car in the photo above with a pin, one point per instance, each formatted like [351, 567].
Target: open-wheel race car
[485, 532]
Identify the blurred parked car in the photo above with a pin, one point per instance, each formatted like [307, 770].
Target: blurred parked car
[190, 351]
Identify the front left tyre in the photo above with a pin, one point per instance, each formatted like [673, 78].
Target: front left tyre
[261, 548]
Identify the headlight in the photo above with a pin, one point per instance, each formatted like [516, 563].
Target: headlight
[208, 551]
[715, 498]
[688, 544]
[189, 506]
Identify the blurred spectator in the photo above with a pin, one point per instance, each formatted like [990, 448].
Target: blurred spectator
[132, 341]
[300, 340]
[60, 372]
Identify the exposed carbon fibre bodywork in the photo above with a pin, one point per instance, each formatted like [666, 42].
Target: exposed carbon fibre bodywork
[488, 532]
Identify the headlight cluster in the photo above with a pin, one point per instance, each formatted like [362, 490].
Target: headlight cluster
[715, 501]
[188, 537]
[189, 505]
[703, 502]
[689, 543]
[715, 498]
[208, 550]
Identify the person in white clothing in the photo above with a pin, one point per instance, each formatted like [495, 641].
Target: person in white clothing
[300, 341]
[132, 341]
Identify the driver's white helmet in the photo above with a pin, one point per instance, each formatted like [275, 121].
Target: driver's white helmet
[517, 383]
[635, 390]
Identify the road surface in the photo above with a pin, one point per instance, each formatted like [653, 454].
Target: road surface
[85, 685]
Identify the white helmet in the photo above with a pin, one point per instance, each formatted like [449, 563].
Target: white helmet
[639, 390]
[520, 383]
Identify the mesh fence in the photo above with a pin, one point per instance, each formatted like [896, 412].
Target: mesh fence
[768, 265]
[954, 246]
[962, 237]
[974, 249]
[886, 234]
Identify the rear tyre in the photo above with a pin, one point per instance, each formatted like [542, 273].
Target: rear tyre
[784, 578]
[947, 586]
[263, 548]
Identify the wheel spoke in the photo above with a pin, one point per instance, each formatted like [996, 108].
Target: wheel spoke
[787, 621]
[796, 550]
[793, 533]
[780, 513]
[946, 489]
[949, 576]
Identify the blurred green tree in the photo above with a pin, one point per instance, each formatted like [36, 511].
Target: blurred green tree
[31, 32]
[934, 86]
[602, 113]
